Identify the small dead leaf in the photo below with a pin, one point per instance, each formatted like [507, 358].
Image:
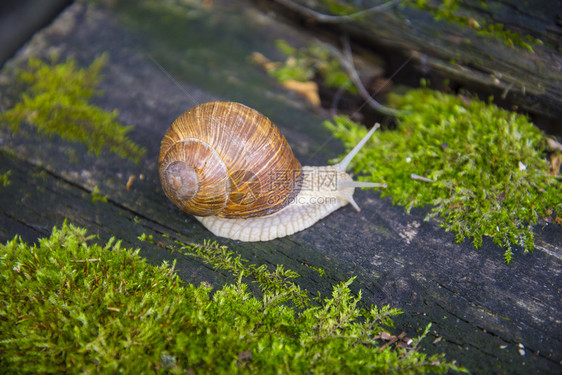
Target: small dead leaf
[465, 99]
[264, 62]
[553, 144]
[402, 340]
[244, 357]
[555, 163]
[437, 340]
[259, 58]
[307, 89]
[385, 336]
[132, 179]
[414, 176]
[473, 23]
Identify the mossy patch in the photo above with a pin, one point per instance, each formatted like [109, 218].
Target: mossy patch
[484, 169]
[97, 196]
[339, 8]
[5, 178]
[57, 102]
[449, 10]
[313, 62]
[71, 305]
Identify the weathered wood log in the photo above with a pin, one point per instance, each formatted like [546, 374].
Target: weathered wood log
[481, 307]
[519, 63]
[19, 20]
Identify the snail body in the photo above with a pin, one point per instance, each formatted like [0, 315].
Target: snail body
[231, 168]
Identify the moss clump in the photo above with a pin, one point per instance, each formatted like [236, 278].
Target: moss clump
[5, 178]
[306, 64]
[277, 286]
[339, 8]
[490, 174]
[449, 10]
[77, 307]
[97, 196]
[56, 102]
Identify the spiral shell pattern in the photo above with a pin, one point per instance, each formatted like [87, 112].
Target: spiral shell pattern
[243, 166]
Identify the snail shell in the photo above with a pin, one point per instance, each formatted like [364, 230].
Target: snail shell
[228, 160]
[231, 168]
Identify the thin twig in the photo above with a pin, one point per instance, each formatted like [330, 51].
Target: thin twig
[336, 99]
[421, 178]
[347, 63]
[327, 18]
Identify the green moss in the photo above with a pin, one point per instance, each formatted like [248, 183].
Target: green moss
[277, 285]
[5, 178]
[305, 64]
[339, 8]
[491, 177]
[56, 102]
[97, 196]
[73, 306]
[449, 10]
[319, 270]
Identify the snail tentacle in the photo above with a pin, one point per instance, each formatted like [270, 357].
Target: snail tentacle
[342, 165]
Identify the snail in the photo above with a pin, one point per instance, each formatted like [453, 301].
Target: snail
[230, 167]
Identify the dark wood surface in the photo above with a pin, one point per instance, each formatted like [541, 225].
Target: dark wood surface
[20, 19]
[482, 308]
